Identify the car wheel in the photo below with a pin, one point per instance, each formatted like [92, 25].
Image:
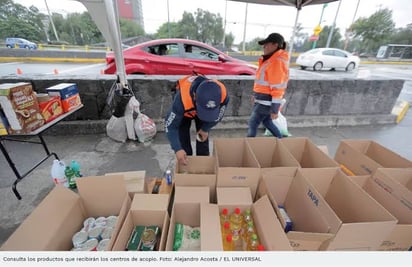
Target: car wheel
[318, 66]
[9, 46]
[27, 47]
[350, 67]
[303, 67]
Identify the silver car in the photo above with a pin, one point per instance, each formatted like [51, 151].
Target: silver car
[327, 58]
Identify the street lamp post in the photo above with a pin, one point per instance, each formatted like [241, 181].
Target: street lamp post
[224, 27]
[320, 21]
[333, 26]
[244, 31]
[51, 21]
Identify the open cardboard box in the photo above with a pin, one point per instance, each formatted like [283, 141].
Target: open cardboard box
[268, 227]
[358, 221]
[134, 181]
[146, 210]
[200, 171]
[236, 164]
[283, 187]
[363, 157]
[390, 188]
[52, 224]
[187, 210]
[307, 153]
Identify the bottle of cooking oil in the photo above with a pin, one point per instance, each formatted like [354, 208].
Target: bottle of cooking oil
[226, 230]
[248, 231]
[224, 216]
[253, 243]
[228, 244]
[247, 217]
[236, 228]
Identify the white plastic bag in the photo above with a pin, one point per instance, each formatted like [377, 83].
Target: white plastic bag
[132, 106]
[281, 123]
[116, 129]
[145, 128]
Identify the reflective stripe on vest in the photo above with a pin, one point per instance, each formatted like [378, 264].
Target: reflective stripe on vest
[261, 83]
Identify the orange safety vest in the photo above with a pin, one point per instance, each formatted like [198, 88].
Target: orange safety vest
[272, 75]
[184, 85]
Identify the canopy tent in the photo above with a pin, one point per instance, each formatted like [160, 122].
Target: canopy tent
[106, 16]
[298, 4]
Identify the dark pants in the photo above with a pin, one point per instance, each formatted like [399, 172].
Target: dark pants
[261, 114]
[202, 148]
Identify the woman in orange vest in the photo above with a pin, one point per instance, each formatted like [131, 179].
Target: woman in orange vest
[202, 100]
[270, 84]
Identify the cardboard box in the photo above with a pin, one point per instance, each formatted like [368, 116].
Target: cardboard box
[61, 214]
[363, 157]
[4, 124]
[135, 181]
[236, 164]
[268, 228]
[69, 94]
[200, 171]
[187, 210]
[389, 188]
[20, 106]
[51, 109]
[284, 187]
[146, 210]
[191, 194]
[358, 221]
[307, 153]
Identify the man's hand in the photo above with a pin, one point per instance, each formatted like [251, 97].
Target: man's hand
[202, 136]
[274, 116]
[181, 157]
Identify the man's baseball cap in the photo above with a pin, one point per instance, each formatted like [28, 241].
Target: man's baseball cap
[273, 38]
[208, 98]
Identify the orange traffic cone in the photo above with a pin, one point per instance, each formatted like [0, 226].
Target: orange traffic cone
[18, 71]
[56, 71]
[101, 71]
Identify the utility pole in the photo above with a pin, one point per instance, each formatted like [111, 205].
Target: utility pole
[168, 19]
[51, 21]
[333, 26]
[224, 27]
[349, 31]
[320, 21]
[244, 31]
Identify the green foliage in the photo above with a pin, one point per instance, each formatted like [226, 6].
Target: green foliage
[375, 30]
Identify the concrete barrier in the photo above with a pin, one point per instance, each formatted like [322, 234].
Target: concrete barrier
[309, 102]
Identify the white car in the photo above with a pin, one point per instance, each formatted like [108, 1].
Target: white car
[327, 58]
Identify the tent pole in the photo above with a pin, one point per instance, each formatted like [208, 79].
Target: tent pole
[292, 39]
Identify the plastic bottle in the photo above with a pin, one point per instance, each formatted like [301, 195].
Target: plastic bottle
[247, 217]
[168, 177]
[260, 247]
[226, 230]
[224, 216]
[76, 168]
[253, 243]
[228, 244]
[248, 231]
[57, 173]
[70, 176]
[236, 227]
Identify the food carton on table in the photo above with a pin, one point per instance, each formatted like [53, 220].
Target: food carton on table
[69, 94]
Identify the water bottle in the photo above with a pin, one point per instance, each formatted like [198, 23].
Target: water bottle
[168, 177]
[70, 176]
[57, 173]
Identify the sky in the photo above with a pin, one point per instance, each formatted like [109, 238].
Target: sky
[261, 19]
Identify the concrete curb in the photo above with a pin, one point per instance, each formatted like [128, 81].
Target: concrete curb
[230, 123]
[400, 109]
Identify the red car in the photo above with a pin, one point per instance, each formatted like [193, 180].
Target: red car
[178, 57]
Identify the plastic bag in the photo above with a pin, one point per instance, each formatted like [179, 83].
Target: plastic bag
[116, 128]
[281, 123]
[145, 128]
[133, 106]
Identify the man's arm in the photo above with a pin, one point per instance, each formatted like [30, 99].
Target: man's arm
[172, 123]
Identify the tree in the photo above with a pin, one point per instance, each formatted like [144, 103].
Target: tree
[129, 28]
[402, 35]
[375, 30]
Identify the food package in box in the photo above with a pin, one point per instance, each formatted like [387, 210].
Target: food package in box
[20, 106]
[51, 109]
[68, 93]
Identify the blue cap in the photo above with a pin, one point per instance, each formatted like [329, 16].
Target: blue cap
[208, 98]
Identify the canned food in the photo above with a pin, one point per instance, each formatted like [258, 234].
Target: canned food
[101, 221]
[89, 222]
[90, 245]
[79, 238]
[102, 246]
[107, 233]
[148, 238]
[96, 232]
[111, 221]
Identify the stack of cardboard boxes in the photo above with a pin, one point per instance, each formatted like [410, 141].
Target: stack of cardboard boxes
[329, 210]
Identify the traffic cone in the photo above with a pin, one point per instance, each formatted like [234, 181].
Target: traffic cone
[18, 71]
[101, 71]
[56, 71]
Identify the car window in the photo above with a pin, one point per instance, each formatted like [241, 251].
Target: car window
[171, 49]
[198, 52]
[328, 53]
[339, 53]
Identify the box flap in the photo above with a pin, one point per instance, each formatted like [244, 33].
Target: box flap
[211, 235]
[159, 202]
[197, 165]
[229, 196]
[134, 180]
[95, 190]
[192, 194]
[308, 241]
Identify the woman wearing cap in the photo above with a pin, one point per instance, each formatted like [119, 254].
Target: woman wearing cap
[270, 84]
[202, 100]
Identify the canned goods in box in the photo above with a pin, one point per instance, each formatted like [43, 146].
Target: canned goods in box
[107, 233]
[89, 222]
[101, 221]
[111, 221]
[79, 238]
[90, 245]
[102, 246]
[96, 232]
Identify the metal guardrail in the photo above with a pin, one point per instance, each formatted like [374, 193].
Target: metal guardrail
[68, 47]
